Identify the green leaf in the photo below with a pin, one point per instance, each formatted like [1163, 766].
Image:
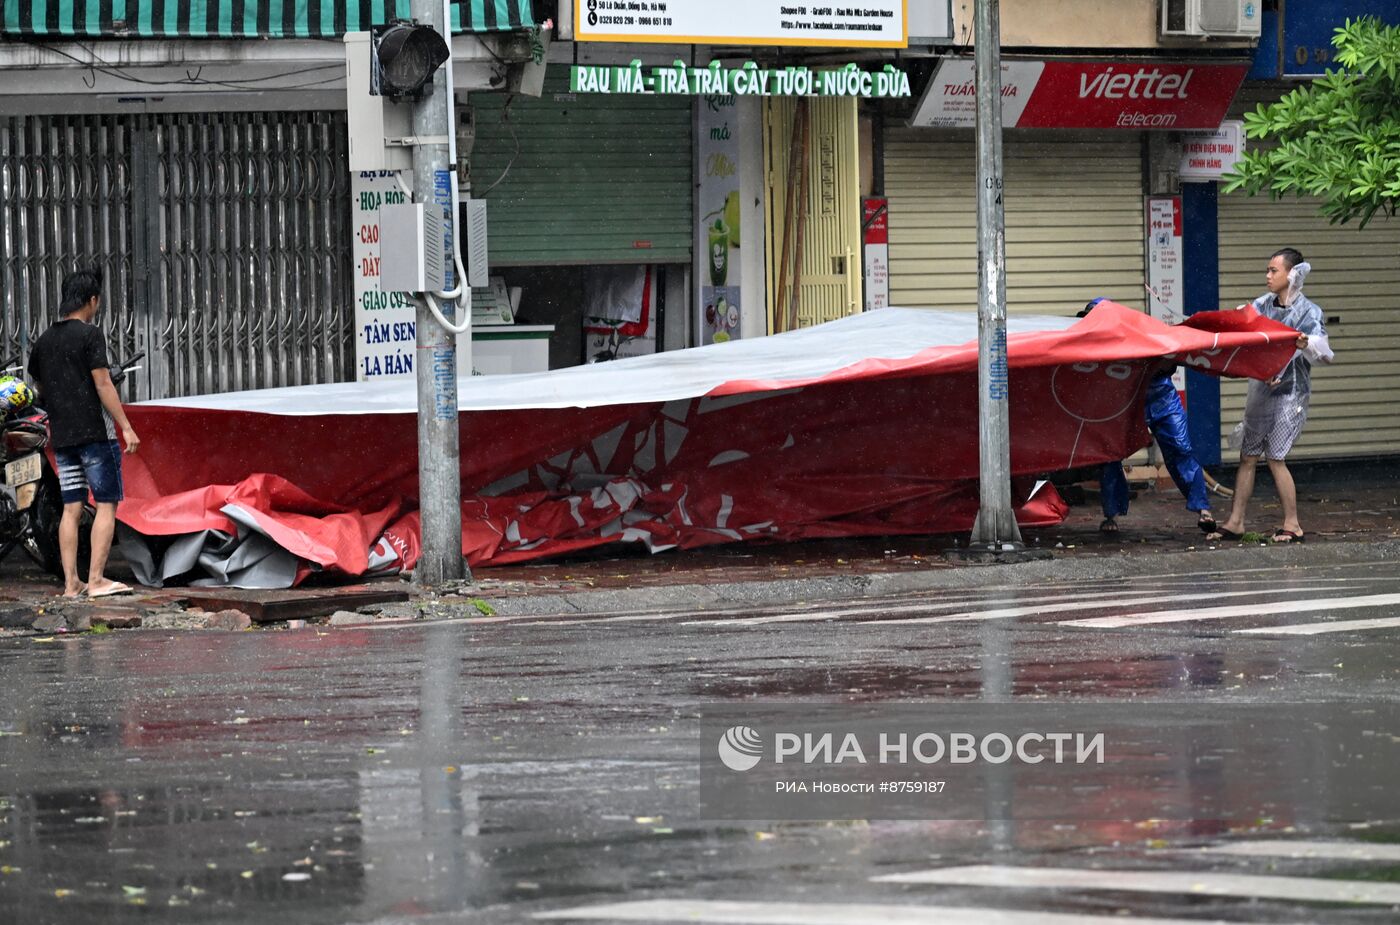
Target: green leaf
[1337, 138]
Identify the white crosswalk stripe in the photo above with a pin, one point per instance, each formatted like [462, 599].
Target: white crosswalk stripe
[1312, 850]
[1098, 603]
[737, 616]
[1256, 886]
[867, 609]
[795, 913]
[1029, 601]
[1108, 603]
[1271, 609]
[1318, 629]
[1186, 883]
[1025, 605]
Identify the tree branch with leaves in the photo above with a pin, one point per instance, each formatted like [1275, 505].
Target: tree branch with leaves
[1337, 138]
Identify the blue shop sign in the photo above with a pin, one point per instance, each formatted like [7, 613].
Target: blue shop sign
[1296, 40]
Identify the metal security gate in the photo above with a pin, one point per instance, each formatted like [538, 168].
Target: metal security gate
[250, 281]
[225, 239]
[65, 201]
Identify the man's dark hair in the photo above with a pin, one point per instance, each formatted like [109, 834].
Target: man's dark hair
[79, 288]
[1291, 256]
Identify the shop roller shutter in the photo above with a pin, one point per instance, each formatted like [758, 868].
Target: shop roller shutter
[597, 178]
[1356, 279]
[1074, 220]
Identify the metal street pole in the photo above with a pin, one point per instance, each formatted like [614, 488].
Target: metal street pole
[996, 522]
[439, 457]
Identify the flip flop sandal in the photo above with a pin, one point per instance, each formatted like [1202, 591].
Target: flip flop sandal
[115, 588]
[1208, 526]
[1222, 534]
[1286, 537]
[1109, 526]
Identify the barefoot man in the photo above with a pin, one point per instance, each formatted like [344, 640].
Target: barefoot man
[69, 364]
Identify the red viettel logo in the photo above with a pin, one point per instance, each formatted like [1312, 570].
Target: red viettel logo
[1140, 85]
[1132, 96]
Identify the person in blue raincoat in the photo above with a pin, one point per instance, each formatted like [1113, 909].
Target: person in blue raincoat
[1166, 419]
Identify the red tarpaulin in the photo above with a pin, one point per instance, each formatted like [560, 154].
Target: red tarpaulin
[864, 426]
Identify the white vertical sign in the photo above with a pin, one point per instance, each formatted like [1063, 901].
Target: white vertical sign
[385, 335]
[1164, 266]
[875, 231]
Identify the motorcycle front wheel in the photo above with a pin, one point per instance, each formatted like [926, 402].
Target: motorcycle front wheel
[44, 517]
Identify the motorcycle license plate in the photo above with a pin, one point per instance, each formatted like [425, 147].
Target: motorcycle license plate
[24, 470]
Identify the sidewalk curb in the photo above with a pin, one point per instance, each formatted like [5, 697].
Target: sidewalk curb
[888, 584]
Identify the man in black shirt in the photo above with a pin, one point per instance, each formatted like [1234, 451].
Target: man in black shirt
[69, 364]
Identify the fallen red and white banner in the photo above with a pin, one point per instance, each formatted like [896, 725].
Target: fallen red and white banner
[864, 426]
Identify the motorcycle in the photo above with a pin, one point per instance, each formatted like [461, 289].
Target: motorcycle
[31, 503]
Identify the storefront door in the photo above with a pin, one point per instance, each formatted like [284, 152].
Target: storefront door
[813, 196]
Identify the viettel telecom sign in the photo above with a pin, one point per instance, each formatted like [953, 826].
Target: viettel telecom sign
[1078, 94]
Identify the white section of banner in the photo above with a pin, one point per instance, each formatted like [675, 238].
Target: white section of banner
[808, 353]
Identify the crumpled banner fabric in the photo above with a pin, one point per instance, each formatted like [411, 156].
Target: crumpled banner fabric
[262, 532]
[878, 445]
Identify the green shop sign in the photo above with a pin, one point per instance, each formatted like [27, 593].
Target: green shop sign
[746, 80]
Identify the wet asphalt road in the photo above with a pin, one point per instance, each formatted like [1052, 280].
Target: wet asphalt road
[495, 771]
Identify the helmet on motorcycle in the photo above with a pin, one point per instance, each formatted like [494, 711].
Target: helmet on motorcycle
[15, 395]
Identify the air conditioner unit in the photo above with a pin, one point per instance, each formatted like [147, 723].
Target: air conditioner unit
[1226, 19]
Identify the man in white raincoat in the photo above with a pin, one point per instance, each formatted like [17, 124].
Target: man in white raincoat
[1275, 411]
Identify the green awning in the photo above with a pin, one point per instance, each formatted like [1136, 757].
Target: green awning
[239, 18]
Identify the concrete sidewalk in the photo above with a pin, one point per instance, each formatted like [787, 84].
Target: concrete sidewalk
[1338, 506]
[1349, 513]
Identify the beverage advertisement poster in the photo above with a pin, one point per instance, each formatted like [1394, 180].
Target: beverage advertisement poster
[718, 234]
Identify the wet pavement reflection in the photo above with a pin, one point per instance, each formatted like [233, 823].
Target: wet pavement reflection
[434, 770]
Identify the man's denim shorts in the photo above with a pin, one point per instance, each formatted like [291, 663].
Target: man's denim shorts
[93, 465]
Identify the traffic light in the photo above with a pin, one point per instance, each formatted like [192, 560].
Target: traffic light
[406, 56]
[386, 71]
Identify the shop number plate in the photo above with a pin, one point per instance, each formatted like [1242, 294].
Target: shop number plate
[24, 470]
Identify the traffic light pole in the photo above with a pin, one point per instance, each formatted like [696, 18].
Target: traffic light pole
[439, 456]
[996, 528]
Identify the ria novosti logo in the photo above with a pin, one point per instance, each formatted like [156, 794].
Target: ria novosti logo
[740, 748]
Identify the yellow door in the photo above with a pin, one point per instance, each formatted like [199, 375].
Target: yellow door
[813, 248]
